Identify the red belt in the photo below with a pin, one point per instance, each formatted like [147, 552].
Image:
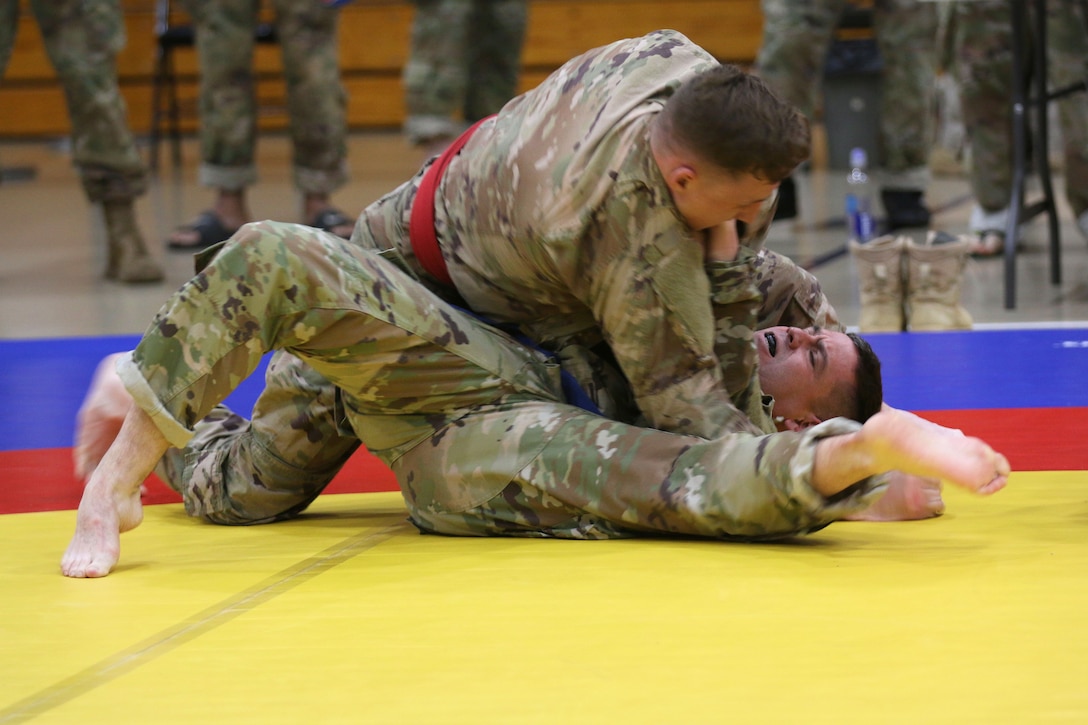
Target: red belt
[421, 225]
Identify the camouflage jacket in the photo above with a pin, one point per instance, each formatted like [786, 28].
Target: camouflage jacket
[555, 216]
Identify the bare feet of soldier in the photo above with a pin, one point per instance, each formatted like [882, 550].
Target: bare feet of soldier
[104, 514]
[111, 499]
[908, 498]
[908, 443]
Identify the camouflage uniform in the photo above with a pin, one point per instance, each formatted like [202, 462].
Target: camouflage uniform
[468, 419]
[796, 37]
[983, 38]
[316, 100]
[464, 60]
[82, 38]
[617, 267]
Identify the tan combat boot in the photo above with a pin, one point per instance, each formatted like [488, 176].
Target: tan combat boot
[934, 278]
[880, 277]
[128, 260]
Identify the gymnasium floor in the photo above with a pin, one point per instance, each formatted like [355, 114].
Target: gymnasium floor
[349, 615]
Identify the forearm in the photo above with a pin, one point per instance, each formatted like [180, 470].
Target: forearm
[840, 462]
[734, 302]
[790, 295]
[768, 481]
[700, 406]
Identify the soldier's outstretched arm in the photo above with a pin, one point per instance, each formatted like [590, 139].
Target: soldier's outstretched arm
[893, 440]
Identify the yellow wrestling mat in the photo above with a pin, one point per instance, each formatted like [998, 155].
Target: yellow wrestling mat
[348, 615]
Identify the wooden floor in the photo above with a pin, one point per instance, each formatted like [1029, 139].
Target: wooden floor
[348, 615]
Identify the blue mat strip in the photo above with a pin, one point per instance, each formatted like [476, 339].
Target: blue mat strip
[42, 382]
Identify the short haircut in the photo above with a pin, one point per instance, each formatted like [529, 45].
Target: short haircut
[736, 122]
[865, 398]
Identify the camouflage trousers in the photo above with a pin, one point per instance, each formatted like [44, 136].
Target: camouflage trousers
[316, 99]
[796, 37]
[983, 39]
[82, 39]
[470, 421]
[464, 61]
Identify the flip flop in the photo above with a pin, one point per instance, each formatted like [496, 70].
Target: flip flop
[210, 230]
[330, 218]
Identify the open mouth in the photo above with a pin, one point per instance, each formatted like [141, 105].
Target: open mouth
[772, 343]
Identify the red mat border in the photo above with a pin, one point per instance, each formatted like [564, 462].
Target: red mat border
[1033, 439]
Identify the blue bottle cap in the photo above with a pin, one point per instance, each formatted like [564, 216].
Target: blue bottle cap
[858, 158]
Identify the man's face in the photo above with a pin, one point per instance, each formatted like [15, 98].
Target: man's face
[710, 198]
[801, 367]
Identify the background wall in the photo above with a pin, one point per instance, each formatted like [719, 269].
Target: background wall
[373, 47]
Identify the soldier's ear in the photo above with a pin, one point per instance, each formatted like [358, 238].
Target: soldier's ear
[680, 176]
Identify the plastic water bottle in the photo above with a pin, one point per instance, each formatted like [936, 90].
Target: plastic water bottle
[859, 198]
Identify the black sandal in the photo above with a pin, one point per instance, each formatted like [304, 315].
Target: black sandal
[210, 230]
[331, 218]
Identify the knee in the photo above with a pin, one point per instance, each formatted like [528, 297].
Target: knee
[272, 239]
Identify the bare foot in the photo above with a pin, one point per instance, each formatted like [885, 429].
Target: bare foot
[103, 515]
[100, 416]
[111, 499]
[908, 498]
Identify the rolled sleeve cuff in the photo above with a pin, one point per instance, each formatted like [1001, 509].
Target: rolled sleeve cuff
[146, 399]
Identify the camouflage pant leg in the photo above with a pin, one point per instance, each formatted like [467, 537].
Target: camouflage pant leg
[234, 471]
[496, 38]
[228, 103]
[405, 362]
[592, 477]
[82, 38]
[1067, 63]
[984, 64]
[906, 32]
[316, 99]
[383, 227]
[436, 72]
[796, 38]
[464, 61]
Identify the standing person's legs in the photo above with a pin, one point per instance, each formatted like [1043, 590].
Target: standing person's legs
[796, 37]
[316, 106]
[496, 38]
[984, 62]
[906, 32]
[225, 37]
[436, 74]
[1067, 63]
[83, 39]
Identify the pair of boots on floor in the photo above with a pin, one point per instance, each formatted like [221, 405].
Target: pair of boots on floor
[905, 285]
